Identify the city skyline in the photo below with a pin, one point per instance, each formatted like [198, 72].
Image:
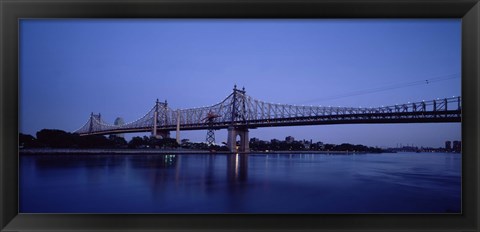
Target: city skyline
[70, 68]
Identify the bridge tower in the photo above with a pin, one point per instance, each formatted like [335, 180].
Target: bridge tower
[160, 118]
[97, 117]
[210, 132]
[238, 115]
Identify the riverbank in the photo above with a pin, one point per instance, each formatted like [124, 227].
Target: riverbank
[32, 151]
[111, 151]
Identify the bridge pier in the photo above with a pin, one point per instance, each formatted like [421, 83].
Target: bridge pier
[232, 139]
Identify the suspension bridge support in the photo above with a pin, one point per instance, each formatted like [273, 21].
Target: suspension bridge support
[232, 139]
[155, 120]
[178, 127]
[159, 119]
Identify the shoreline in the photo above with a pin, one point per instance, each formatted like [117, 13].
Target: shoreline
[110, 151]
[32, 151]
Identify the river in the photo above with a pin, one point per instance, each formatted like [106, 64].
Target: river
[236, 183]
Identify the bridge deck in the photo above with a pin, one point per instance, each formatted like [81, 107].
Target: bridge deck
[385, 118]
[240, 110]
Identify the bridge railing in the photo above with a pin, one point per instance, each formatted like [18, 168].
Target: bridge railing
[260, 110]
[249, 109]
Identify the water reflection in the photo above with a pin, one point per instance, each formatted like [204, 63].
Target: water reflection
[155, 170]
[237, 168]
[187, 171]
[178, 172]
[210, 180]
[153, 161]
[49, 162]
[240, 183]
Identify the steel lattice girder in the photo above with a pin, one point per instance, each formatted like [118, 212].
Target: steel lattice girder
[239, 109]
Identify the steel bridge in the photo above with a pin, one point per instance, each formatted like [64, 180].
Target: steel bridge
[239, 112]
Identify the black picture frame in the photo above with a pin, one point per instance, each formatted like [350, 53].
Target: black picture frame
[13, 10]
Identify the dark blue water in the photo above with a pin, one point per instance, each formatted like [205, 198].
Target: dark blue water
[257, 183]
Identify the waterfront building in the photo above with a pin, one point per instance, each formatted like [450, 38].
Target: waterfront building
[289, 139]
[306, 144]
[448, 145]
[457, 146]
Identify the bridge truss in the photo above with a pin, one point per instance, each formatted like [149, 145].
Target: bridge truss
[240, 110]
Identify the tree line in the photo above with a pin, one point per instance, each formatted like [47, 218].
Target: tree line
[51, 138]
[277, 145]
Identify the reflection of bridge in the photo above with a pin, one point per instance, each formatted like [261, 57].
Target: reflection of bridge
[239, 112]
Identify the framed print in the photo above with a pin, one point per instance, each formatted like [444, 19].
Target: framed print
[323, 116]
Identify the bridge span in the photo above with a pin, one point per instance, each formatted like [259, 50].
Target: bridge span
[239, 112]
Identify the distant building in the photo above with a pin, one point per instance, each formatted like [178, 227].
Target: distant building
[448, 145]
[289, 139]
[274, 141]
[457, 146]
[306, 144]
[254, 140]
[118, 122]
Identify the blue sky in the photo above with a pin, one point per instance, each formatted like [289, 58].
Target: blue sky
[70, 68]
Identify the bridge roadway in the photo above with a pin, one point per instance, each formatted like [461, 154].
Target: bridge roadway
[417, 117]
[239, 112]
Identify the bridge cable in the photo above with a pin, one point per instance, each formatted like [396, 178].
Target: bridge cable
[388, 87]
